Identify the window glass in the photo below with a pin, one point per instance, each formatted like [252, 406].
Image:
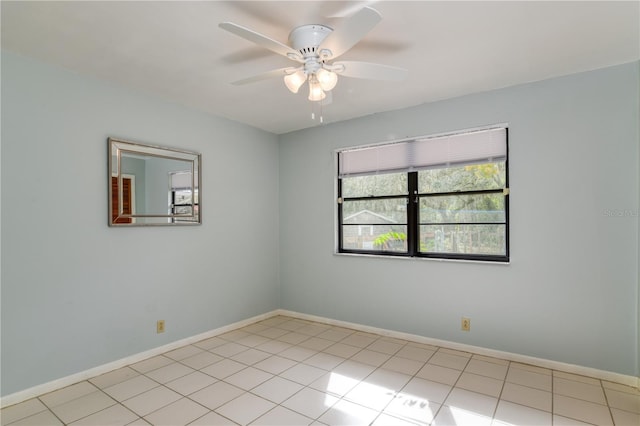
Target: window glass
[473, 177]
[391, 238]
[375, 185]
[462, 208]
[463, 239]
[376, 211]
[182, 205]
[375, 224]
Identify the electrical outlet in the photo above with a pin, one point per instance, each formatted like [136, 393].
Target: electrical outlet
[160, 326]
[465, 325]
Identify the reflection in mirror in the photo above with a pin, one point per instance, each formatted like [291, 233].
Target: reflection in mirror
[152, 185]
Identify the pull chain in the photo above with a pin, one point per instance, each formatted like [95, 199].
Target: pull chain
[313, 113]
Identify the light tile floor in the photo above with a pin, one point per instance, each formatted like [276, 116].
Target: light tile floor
[286, 371]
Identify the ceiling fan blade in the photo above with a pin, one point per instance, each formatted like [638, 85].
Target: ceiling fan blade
[370, 71]
[262, 40]
[350, 31]
[280, 72]
[339, 10]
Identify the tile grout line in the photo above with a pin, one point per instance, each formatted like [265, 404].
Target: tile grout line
[98, 390]
[396, 393]
[415, 375]
[304, 386]
[452, 386]
[161, 385]
[274, 375]
[606, 400]
[342, 397]
[133, 396]
[213, 410]
[48, 409]
[528, 387]
[504, 382]
[553, 377]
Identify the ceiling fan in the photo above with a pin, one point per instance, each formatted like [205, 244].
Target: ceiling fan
[315, 47]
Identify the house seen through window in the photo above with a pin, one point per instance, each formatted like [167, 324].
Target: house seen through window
[441, 197]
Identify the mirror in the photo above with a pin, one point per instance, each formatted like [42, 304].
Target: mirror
[152, 185]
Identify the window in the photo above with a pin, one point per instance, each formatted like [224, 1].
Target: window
[440, 197]
[183, 197]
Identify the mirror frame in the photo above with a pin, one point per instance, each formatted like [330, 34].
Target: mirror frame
[118, 147]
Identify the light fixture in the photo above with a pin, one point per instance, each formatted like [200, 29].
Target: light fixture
[327, 79]
[294, 80]
[320, 81]
[315, 90]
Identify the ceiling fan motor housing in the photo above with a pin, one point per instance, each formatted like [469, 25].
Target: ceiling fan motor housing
[306, 39]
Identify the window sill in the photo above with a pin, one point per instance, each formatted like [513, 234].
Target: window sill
[431, 259]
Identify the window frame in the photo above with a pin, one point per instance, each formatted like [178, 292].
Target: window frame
[413, 224]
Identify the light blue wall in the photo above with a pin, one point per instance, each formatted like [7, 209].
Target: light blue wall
[570, 293]
[77, 294]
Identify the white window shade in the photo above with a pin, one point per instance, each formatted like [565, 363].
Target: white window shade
[381, 158]
[463, 148]
[458, 149]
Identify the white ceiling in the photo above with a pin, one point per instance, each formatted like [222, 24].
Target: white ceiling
[176, 50]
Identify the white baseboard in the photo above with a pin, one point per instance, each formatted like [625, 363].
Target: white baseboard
[524, 359]
[38, 390]
[123, 362]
